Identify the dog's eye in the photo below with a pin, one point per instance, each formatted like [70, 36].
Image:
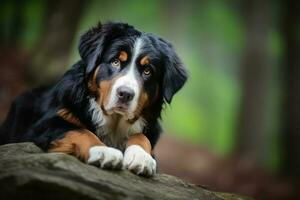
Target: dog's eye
[116, 63]
[147, 71]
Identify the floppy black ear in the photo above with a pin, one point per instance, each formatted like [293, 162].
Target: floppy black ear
[175, 73]
[91, 45]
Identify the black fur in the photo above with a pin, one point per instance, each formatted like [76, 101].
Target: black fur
[33, 115]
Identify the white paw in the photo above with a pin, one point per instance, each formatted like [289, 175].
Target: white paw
[105, 157]
[137, 160]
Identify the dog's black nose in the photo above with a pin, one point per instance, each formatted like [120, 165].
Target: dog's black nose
[125, 94]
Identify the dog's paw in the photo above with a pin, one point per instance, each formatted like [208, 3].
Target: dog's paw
[137, 160]
[105, 157]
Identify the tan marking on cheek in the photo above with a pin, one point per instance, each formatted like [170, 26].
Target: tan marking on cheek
[145, 61]
[144, 99]
[105, 87]
[123, 56]
[92, 84]
[76, 143]
[105, 90]
[68, 116]
[143, 102]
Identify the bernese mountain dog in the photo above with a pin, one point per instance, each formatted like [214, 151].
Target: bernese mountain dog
[105, 109]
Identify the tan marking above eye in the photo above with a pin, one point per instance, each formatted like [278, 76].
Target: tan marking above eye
[145, 61]
[123, 56]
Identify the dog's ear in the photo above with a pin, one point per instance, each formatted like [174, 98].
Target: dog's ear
[175, 73]
[91, 46]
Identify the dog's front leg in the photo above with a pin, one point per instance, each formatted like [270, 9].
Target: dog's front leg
[137, 156]
[86, 146]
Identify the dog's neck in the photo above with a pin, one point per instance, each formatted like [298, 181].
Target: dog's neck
[114, 129]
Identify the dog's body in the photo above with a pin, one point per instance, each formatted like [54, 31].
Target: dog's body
[106, 104]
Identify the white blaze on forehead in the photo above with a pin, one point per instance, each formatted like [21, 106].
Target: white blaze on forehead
[129, 80]
[136, 51]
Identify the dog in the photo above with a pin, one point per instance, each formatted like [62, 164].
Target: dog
[106, 108]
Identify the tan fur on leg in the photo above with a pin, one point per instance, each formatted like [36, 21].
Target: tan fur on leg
[141, 140]
[77, 143]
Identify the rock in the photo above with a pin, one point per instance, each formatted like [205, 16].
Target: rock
[26, 172]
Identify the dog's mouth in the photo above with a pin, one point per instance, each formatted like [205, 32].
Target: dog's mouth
[119, 109]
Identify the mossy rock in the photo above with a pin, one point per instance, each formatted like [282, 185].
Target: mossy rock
[26, 172]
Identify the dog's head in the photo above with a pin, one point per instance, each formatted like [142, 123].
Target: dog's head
[129, 70]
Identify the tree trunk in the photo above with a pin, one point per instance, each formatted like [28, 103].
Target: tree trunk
[290, 132]
[51, 55]
[252, 125]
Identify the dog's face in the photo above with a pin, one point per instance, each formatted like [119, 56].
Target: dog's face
[128, 70]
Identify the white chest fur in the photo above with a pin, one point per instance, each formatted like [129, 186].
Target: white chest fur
[113, 130]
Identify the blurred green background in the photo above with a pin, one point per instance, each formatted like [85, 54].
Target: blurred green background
[241, 97]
